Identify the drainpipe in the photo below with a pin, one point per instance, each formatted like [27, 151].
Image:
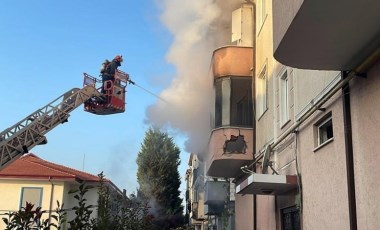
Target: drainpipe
[343, 85]
[51, 199]
[349, 155]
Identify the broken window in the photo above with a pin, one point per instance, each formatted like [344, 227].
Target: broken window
[235, 145]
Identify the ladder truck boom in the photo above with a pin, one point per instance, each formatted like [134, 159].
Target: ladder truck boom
[30, 131]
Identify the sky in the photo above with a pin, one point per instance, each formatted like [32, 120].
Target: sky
[167, 45]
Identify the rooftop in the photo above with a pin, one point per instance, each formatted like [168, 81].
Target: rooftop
[29, 166]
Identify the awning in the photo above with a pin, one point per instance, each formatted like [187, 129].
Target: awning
[266, 184]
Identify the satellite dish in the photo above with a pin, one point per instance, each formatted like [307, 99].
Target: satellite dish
[265, 163]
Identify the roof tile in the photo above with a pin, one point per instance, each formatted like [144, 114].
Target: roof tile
[31, 166]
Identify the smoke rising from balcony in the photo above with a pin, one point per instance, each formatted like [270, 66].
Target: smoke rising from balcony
[198, 28]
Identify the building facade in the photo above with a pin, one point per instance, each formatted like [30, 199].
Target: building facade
[195, 211]
[43, 184]
[308, 158]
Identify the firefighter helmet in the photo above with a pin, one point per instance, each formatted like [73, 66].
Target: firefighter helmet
[119, 58]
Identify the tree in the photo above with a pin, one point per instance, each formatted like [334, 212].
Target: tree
[158, 178]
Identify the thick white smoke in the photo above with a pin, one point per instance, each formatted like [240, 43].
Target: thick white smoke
[196, 26]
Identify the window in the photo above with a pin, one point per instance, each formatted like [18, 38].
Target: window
[195, 195]
[261, 14]
[291, 218]
[261, 92]
[236, 25]
[241, 102]
[284, 98]
[31, 195]
[233, 102]
[324, 130]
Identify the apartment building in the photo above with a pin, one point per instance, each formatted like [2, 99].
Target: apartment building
[231, 139]
[349, 44]
[210, 201]
[315, 121]
[308, 159]
[195, 194]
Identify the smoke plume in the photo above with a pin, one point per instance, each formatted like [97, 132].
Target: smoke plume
[198, 28]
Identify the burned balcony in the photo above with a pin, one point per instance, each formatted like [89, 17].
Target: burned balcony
[229, 149]
[232, 61]
[232, 70]
[231, 142]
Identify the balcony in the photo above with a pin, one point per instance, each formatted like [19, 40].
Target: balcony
[229, 149]
[232, 61]
[265, 184]
[197, 211]
[325, 34]
[216, 195]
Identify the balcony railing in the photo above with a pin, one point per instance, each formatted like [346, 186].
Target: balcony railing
[232, 61]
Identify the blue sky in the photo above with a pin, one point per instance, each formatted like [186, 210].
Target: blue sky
[45, 48]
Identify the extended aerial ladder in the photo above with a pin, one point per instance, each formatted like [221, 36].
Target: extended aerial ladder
[30, 131]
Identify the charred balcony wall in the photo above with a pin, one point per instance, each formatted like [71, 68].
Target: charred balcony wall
[231, 141]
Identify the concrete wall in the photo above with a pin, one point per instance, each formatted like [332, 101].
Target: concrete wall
[365, 110]
[70, 201]
[264, 57]
[266, 213]
[323, 170]
[283, 14]
[244, 212]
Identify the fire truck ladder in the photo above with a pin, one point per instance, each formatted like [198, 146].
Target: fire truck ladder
[29, 132]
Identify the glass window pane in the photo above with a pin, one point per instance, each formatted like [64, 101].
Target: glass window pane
[226, 102]
[31, 195]
[241, 102]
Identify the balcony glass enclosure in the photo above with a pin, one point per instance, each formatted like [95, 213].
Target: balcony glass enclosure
[233, 102]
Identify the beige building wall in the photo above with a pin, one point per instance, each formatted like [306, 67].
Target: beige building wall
[266, 213]
[323, 170]
[11, 195]
[264, 62]
[244, 213]
[320, 190]
[52, 191]
[304, 87]
[365, 115]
